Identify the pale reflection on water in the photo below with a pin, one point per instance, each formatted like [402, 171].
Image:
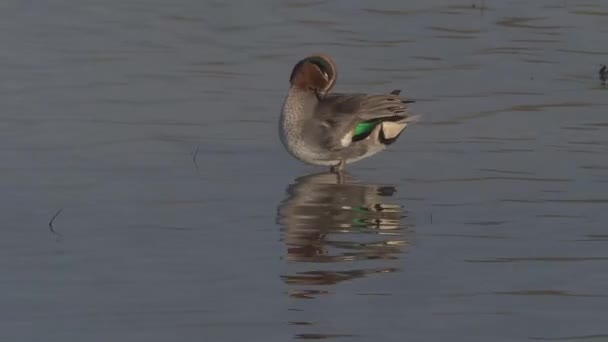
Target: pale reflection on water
[331, 224]
[336, 229]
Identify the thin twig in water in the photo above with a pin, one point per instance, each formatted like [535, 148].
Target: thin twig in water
[53, 219]
[194, 157]
[51, 227]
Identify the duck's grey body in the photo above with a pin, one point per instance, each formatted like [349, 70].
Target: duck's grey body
[322, 128]
[319, 130]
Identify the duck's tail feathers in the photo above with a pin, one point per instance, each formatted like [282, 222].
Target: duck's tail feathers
[398, 92]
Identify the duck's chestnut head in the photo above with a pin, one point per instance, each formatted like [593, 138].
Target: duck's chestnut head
[314, 73]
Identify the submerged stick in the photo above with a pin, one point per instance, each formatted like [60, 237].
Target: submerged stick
[53, 219]
[194, 157]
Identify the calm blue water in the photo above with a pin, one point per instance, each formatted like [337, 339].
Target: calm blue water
[153, 126]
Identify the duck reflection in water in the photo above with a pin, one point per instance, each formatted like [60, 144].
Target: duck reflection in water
[330, 219]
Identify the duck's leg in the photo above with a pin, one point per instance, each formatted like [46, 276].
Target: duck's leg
[339, 168]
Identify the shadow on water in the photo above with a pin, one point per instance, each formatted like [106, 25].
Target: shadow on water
[336, 230]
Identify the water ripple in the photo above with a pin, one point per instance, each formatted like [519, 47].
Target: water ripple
[537, 259]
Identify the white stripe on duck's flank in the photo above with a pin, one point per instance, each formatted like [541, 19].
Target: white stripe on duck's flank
[318, 127]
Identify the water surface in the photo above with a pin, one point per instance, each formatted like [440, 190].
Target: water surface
[153, 126]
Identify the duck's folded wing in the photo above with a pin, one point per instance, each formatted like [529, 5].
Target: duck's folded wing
[339, 116]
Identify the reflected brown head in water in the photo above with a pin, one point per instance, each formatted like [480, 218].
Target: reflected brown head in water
[320, 208]
[314, 73]
[328, 219]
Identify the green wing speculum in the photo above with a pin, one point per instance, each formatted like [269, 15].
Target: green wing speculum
[365, 128]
